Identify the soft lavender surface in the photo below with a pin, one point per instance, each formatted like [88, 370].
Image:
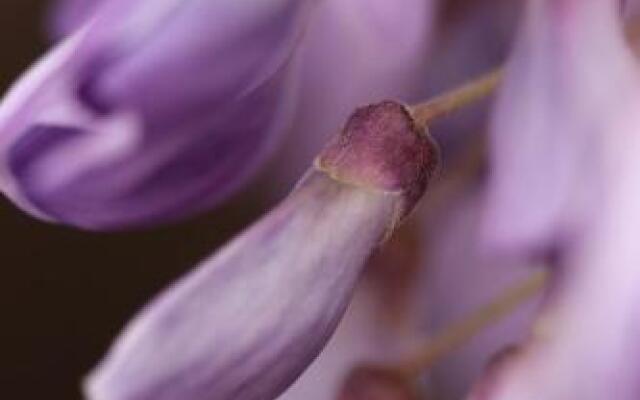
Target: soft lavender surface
[180, 148]
[585, 345]
[567, 79]
[248, 321]
[457, 278]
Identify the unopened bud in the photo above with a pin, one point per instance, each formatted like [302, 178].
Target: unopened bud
[376, 383]
[382, 149]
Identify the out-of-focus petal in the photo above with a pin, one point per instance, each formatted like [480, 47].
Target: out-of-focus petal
[547, 131]
[502, 360]
[458, 278]
[585, 345]
[248, 321]
[162, 109]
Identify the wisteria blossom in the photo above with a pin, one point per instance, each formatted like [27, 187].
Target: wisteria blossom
[254, 347]
[99, 132]
[571, 76]
[515, 276]
[570, 108]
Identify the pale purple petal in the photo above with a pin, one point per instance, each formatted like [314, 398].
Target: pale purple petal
[458, 278]
[569, 73]
[191, 97]
[248, 321]
[585, 345]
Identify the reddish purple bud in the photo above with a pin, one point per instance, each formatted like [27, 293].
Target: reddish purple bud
[376, 383]
[381, 148]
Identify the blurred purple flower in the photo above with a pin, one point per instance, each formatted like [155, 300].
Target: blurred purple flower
[548, 131]
[567, 138]
[247, 322]
[147, 114]
[458, 277]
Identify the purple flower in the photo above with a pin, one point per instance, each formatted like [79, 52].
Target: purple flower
[457, 278]
[567, 137]
[551, 122]
[248, 321]
[148, 114]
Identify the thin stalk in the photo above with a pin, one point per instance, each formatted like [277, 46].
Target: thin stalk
[455, 99]
[461, 332]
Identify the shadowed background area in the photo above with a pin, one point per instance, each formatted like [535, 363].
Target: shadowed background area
[64, 294]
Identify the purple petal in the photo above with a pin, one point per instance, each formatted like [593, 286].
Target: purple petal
[460, 277]
[190, 110]
[585, 345]
[248, 321]
[546, 132]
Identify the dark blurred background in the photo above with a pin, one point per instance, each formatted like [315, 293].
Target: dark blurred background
[64, 294]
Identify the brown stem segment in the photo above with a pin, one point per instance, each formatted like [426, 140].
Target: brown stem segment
[460, 332]
[469, 93]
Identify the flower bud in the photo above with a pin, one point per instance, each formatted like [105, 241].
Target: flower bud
[249, 320]
[155, 110]
[382, 148]
[374, 383]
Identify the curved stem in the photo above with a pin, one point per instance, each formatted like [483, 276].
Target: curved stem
[452, 100]
[459, 333]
